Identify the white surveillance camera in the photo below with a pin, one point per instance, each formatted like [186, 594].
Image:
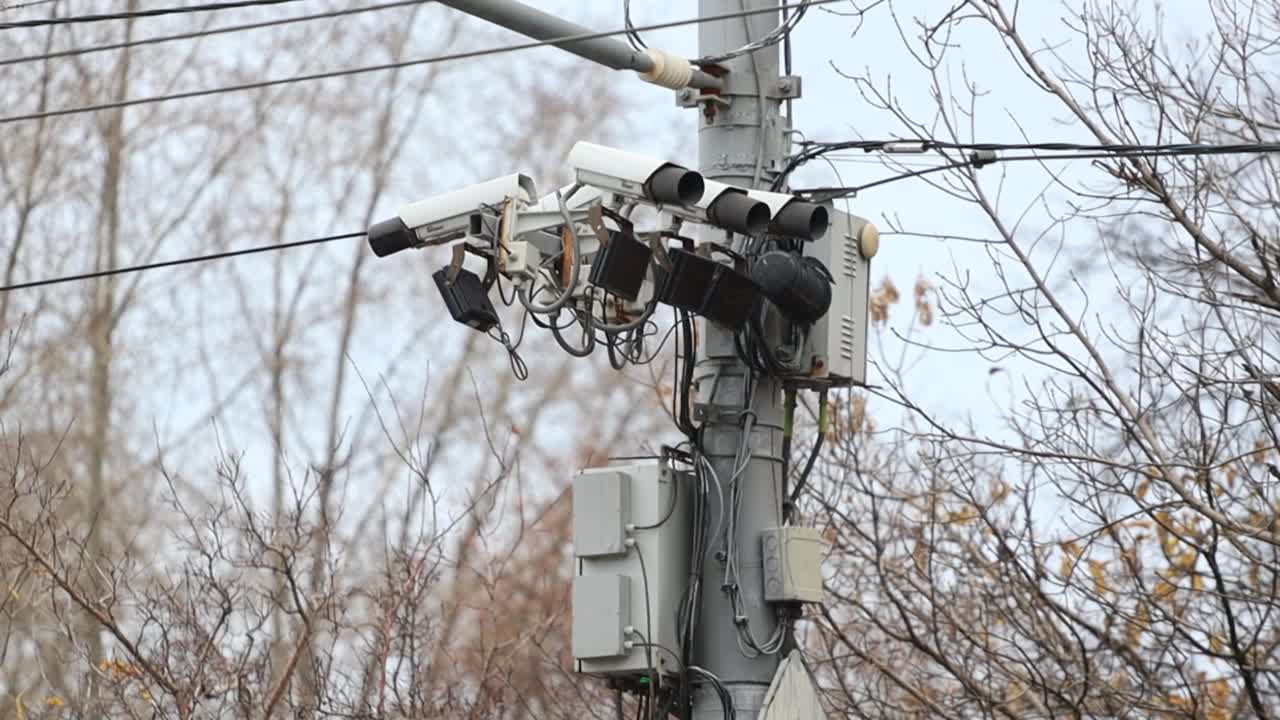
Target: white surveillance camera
[793, 216]
[728, 207]
[444, 218]
[637, 177]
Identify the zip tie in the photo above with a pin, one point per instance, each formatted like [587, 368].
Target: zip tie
[669, 70]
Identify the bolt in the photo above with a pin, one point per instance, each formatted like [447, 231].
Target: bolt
[686, 95]
[784, 86]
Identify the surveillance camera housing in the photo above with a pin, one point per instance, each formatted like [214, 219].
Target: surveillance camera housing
[447, 217]
[636, 176]
[728, 207]
[793, 216]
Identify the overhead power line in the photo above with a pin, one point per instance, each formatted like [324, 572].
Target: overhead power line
[179, 261]
[19, 6]
[1093, 152]
[74, 19]
[466, 55]
[207, 33]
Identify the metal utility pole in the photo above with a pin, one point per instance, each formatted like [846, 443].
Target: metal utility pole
[741, 144]
[741, 141]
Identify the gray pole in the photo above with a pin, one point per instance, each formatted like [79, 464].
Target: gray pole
[735, 144]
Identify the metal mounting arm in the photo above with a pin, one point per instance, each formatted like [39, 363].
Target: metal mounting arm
[606, 51]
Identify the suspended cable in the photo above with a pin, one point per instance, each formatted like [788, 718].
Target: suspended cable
[206, 33]
[19, 6]
[74, 19]
[980, 160]
[773, 37]
[179, 261]
[384, 66]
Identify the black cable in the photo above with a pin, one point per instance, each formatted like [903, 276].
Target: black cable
[205, 33]
[152, 12]
[384, 66]
[180, 261]
[33, 3]
[675, 495]
[633, 37]
[813, 454]
[1088, 152]
[726, 700]
[648, 620]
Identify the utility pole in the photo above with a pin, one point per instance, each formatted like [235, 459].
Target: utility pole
[741, 142]
[734, 143]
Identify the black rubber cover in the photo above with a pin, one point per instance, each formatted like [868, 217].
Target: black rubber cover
[800, 219]
[466, 299]
[703, 286]
[391, 236]
[736, 211]
[800, 286]
[674, 185]
[620, 267]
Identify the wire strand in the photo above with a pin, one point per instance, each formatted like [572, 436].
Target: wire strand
[384, 66]
[1155, 151]
[153, 12]
[206, 33]
[179, 261]
[19, 6]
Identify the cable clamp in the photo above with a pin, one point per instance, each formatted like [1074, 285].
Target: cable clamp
[982, 158]
[740, 620]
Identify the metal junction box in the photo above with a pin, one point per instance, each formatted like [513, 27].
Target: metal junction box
[792, 559]
[612, 589]
[837, 347]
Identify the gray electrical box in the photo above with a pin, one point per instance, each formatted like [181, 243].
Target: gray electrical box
[837, 346]
[792, 558]
[600, 511]
[601, 609]
[656, 500]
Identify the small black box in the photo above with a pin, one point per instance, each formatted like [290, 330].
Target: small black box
[705, 287]
[466, 299]
[686, 284]
[620, 266]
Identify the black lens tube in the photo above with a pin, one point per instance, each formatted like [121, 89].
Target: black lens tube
[391, 236]
[801, 219]
[674, 185]
[736, 211]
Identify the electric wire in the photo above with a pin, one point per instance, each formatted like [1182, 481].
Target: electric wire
[984, 154]
[206, 33]
[19, 6]
[464, 55]
[633, 37]
[151, 12]
[774, 36]
[179, 261]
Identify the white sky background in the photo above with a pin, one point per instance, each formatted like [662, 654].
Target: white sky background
[954, 385]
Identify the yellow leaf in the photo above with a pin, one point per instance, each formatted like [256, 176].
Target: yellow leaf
[1098, 571]
[999, 492]
[1197, 582]
[1219, 692]
[1141, 492]
[963, 516]
[22, 711]
[1259, 449]
[54, 701]
[920, 555]
[1165, 590]
[1216, 645]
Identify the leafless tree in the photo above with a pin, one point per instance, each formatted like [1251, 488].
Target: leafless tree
[1104, 543]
